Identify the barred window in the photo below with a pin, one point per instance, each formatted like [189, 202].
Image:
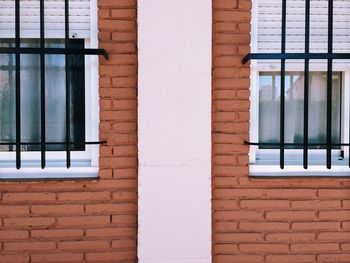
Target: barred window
[300, 87]
[46, 89]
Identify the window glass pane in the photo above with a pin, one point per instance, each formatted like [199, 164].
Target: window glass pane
[55, 94]
[269, 108]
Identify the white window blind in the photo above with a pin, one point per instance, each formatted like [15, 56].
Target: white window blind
[79, 17]
[269, 26]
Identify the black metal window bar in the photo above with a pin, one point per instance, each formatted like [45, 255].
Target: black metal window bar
[306, 56]
[42, 51]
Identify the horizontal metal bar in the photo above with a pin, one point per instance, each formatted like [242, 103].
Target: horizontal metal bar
[57, 51]
[301, 56]
[293, 144]
[53, 143]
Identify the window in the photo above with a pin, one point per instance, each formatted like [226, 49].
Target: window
[48, 92]
[300, 88]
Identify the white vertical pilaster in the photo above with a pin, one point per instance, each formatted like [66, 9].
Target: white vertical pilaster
[174, 96]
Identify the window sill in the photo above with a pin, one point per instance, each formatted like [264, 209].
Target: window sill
[298, 170]
[49, 173]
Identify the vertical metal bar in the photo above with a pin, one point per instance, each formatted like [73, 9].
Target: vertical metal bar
[67, 85]
[273, 87]
[283, 73]
[329, 85]
[42, 83]
[306, 84]
[18, 85]
[291, 81]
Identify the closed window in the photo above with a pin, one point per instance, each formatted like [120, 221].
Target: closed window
[299, 88]
[48, 92]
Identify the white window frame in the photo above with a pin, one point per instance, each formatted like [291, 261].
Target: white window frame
[84, 164]
[266, 168]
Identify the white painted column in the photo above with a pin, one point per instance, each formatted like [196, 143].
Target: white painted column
[174, 131]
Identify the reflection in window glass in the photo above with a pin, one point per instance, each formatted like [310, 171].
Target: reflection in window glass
[269, 108]
[55, 95]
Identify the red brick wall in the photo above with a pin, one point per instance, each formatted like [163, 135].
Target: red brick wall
[75, 221]
[263, 220]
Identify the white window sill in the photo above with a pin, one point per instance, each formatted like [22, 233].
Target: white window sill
[51, 173]
[298, 170]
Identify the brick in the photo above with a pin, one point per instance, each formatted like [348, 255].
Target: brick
[118, 162]
[13, 210]
[124, 82]
[14, 258]
[225, 205]
[225, 227]
[110, 256]
[231, 16]
[227, 4]
[291, 193]
[225, 249]
[118, 4]
[238, 258]
[334, 193]
[124, 13]
[57, 233]
[83, 220]
[111, 208]
[335, 215]
[316, 204]
[118, 115]
[226, 170]
[28, 246]
[291, 215]
[238, 193]
[334, 236]
[126, 150]
[118, 48]
[225, 182]
[316, 226]
[290, 237]
[346, 204]
[290, 258]
[294, 184]
[315, 247]
[124, 244]
[28, 197]
[124, 219]
[106, 173]
[265, 204]
[103, 13]
[13, 235]
[116, 25]
[263, 248]
[264, 226]
[84, 196]
[333, 257]
[29, 222]
[111, 232]
[57, 257]
[237, 237]
[125, 196]
[345, 246]
[345, 225]
[90, 245]
[57, 209]
[238, 215]
[124, 36]
[245, 4]
[125, 105]
[114, 185]
[125, 173]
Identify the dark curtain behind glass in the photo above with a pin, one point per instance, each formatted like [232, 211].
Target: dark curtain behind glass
[55, 95]
[269, 108]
